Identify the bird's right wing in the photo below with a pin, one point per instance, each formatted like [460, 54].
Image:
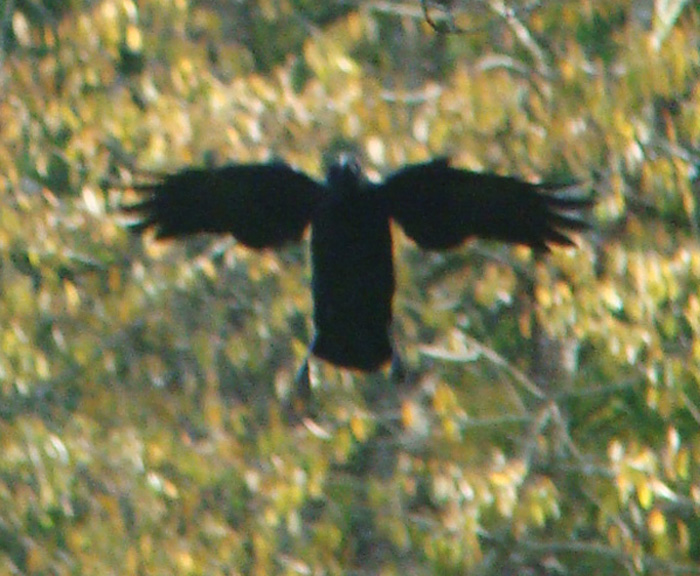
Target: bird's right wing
[261, 205]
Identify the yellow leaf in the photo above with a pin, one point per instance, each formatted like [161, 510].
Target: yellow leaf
[408, 414]
[185, 561]
[359, 428]
[645, 494]
[442, 400]
[134, 40]
[656, 522]
[72, 296]
[42, 366]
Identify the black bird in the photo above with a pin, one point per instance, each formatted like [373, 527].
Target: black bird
[438, 206]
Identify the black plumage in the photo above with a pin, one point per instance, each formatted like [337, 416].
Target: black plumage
[438, 206]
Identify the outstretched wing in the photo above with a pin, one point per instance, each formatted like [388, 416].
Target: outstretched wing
[261, 205]
[439, 207]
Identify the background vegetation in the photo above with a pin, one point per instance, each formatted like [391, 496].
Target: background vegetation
[550, 423]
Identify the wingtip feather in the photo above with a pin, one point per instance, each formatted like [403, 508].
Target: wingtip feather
[560, 239]
[568, 203]
[140, 226]
[570, 223]
[138, 207]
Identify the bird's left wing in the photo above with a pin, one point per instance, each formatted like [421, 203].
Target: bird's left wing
[439, 207]
[261, 205]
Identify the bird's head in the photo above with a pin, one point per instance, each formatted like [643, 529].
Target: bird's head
[345, 174]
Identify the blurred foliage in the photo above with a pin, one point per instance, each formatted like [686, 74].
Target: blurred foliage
[550, 423]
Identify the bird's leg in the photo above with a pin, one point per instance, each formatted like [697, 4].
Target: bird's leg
[298, 404]
[302, 382]
[397, 371]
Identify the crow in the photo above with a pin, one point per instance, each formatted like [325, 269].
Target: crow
[267, 205]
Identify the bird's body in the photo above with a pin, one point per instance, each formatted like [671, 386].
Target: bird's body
[353, 283]
[353, 274]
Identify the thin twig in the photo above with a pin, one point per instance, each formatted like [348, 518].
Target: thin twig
[449, 27]
[523, 34]
[490, 354]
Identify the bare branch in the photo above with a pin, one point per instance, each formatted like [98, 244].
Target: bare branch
[522, 33]
[490, 354]
[447, 26]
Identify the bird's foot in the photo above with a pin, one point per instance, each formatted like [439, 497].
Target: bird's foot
[397, 370]
[298, 404]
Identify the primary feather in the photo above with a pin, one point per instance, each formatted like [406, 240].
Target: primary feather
[261, 205]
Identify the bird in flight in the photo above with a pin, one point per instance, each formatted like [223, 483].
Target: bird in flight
[438, 206]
